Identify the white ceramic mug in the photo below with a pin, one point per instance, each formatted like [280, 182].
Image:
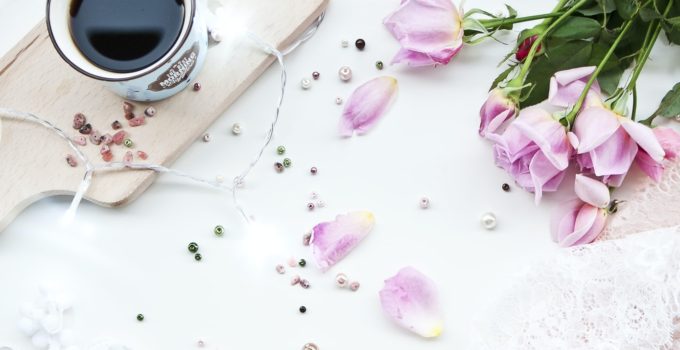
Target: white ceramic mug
[162, 79]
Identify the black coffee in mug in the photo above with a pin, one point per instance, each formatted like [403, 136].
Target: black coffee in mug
[125, 35]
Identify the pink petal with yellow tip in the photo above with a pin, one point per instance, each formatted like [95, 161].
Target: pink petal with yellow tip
[332, 241]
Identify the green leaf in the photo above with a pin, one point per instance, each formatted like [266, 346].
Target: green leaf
[556, 58]
[675, 21]
[670, 104]
[601, 7]
[501, 77]
[577, 28]
[647, 14]
[626, 8]
[512, 13]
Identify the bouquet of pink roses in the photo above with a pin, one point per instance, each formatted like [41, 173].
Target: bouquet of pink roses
[567, 97]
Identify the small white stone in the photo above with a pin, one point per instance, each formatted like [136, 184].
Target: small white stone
[338, 100]
[489, 221]
[424, 203]
[219, 179]
[216, 35]
[236, 129]
[344, 43]
[206, 137]
[320, 203]
[306, 83]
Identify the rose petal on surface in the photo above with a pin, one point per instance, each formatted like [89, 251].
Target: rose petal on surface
[576, 222]
[614, 156]
[644, 137]
[367, 104]
[594, 126]
[669, 140]
[411, 300]
[429, 31]
[591, 191]
[649, 166]
[332, 241]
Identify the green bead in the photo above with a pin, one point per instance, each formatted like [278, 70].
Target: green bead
[193, 247]
[198, 257]
[219, 230]
[287, 162]
[379, 65]
[140, 317]
[280, 150]
[128, 143]
[302, 262]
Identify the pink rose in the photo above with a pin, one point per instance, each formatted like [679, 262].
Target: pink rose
[497, 109]
[566, 87]
[581, 220]
[524, 48]
[429, 31]
[534, 150]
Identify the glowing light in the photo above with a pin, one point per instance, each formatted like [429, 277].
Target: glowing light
[229, 24]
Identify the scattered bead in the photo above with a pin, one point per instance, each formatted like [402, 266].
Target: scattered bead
[71, 160]
[341, 280]
[140, 317]
[320, 203]
[198, 257]
[142, 155]
[80, 140]
[128, 107]
[305, 84]
[107, 157]
[129, 115]
[287, 162]
[206, 137]
[128, 143]
[380, 65]
[338, 100]
[489, 221]
[506, 187]
[85, 129]
[219, 179]
[280, 269]
[360, 44]
[424, 203]
[105, 149]
[107, 139]
[344, 43]
[292, 262]
[345, 73]
[280, 150]
[219, 230]
[354, 286]
[313, 170]
[79, 121]
[200, 343]
[304, 284]
[236, 129]
[119, 137]
[302, 262]
[279, 167]
[295, 280]
[302, 309]
[95, 138]
[316, 75]
[310, 206]
[150, 111]
[127, 158]
[306, 239]
[193, 247]
[313, 195]
[216, 35]
[116, 125]
[310, 346]
[197, 87]
[134, 122]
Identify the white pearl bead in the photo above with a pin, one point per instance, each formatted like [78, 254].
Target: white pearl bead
[236, 129]
[216, 35]
[338, 100]
[306, 83]
[489, 221]
[341, 280]
[206, 137]
[344, 43]
[424, 203]
[345, 73]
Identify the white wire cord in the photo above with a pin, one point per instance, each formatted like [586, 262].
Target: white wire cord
[119, 166]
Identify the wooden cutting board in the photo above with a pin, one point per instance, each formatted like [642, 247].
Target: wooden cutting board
[34, 78]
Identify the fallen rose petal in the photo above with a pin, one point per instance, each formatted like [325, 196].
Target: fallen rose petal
[429, 31]
[332, 241]
[591, 191]
[411, 300]
[576, 222]
[649, 166]
[367, 104]
[669, 140]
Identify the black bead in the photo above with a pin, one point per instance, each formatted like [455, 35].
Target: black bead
[193, 247]
[303, 309]
[86, 129]
[140, 317]
[198, 257]
[302, 262]
[197, 86]
[360, 44]
[506, 187]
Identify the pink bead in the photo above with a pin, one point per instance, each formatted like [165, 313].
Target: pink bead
[295, 280]
[95, 138]
[142, 155]
[306, 239]
[292, 262]
[79, 121]
[107, 157]
[80, 140]
[354, 286]
[127, 158]
[280, 269]
[71, 161]
[137, 121]
[304, 284]
[107, 139]
[119, 137]
[105, 149]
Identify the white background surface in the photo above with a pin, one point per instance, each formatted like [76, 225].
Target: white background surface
[116, 263]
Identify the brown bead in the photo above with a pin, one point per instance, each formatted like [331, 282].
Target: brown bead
[107, 139]
[116, 125]
[79, 121]
[71, 161]
[506, 187]
[129, 115]
[128, 107]
[313, 170]
[360, 44]
[197, 86]
[279, 167]
[85, 129]
[316, 75]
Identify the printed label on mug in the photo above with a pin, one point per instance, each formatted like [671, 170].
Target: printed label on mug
[178, 72]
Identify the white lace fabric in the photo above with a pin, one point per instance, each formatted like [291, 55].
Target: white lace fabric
[618, 294]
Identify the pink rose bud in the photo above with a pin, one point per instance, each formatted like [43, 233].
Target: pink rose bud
[524, 48]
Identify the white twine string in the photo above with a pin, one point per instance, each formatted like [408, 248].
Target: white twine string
[238, 180]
